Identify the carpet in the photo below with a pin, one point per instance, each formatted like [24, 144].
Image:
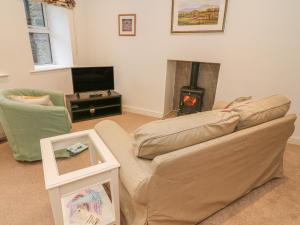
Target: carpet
[24, 200]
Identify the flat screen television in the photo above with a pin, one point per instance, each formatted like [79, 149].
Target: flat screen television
[87, 79]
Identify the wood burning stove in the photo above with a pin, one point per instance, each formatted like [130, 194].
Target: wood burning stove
[191, 97]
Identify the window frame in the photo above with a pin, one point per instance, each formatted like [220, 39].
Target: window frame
[42, 30]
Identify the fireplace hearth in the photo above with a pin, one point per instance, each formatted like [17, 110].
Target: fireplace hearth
[191, 97]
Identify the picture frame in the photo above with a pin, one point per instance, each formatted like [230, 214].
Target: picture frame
[127, 24]
[198, 16]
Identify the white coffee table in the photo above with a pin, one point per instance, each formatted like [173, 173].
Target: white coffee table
[65, 188]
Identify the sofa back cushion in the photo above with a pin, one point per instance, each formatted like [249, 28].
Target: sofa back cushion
[257, 111]
[238, 101]
[163, 136]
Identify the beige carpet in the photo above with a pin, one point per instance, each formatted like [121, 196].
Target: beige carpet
[24, 200]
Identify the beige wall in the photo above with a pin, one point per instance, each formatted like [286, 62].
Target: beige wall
[259, 51]
[15, 54]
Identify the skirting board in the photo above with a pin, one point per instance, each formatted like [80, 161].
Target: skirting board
[294, 140]
[142, 111]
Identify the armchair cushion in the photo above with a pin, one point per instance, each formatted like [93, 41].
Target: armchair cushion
[163, 136]
[37, 100]
[57, 98]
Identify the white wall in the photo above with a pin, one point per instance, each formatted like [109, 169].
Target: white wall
[15, 54]
[259, 51]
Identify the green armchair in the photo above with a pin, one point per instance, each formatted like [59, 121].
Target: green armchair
[25, 124]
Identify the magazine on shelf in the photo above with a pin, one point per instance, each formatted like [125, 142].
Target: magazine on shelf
[89, 206]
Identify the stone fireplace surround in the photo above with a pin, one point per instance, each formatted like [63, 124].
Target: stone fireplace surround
[179, 74]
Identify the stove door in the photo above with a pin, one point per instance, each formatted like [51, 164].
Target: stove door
[190, 102]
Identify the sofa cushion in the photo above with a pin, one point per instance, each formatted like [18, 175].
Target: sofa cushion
[238, 101]
[224, 104]
[257, 111]
[163, 136]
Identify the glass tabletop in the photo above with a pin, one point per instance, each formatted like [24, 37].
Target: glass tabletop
[67, 161]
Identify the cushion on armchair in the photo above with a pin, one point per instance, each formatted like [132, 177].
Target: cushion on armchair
[36, 100]
[163, 136]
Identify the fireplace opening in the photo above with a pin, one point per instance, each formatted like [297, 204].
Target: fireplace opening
[200, 88]
[191, 97]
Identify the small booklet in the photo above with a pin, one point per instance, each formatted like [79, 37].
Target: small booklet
[84, 217]
[77, 148]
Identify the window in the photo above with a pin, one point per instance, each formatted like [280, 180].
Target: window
[39, 32]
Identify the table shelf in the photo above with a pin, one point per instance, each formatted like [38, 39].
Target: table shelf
[97, 107]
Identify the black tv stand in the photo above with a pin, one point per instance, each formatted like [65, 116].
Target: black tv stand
[87, 105]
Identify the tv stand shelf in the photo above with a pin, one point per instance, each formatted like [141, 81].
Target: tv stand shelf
[86, 106]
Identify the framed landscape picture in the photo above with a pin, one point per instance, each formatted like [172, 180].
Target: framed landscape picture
[127, 24]
[194, 16]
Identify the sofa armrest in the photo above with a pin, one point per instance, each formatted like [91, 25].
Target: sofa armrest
[134, 172]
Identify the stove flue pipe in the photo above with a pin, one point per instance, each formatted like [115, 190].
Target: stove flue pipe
[194, 74]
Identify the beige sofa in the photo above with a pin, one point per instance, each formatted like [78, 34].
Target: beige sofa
[184, 186]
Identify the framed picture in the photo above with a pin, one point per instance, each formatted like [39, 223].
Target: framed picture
[195, 16]
[127, 24]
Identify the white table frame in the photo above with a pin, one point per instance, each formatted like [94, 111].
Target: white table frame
[60, 185]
